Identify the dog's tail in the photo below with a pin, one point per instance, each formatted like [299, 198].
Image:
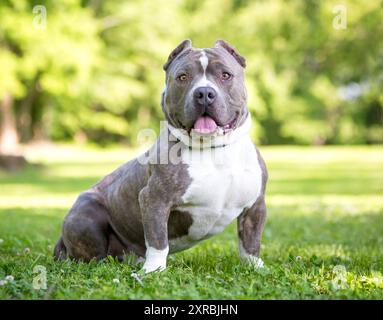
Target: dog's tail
[59, 252]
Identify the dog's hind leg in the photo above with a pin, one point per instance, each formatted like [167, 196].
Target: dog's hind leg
[59, 252]
[86, 230]
[115, 247]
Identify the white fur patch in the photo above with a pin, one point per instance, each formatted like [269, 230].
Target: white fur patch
[155, 259]
[202, 80]
[248, 258]
[204, 61]
[225, 181]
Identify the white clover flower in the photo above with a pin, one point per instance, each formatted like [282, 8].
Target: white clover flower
[1, 241]
[27, 250]
[137, 278]
[115, 280]
[298, 258]
[9, 278]
[3, 282]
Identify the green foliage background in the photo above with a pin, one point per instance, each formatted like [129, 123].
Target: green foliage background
[95, 71]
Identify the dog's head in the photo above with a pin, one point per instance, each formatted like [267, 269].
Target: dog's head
[205, 88]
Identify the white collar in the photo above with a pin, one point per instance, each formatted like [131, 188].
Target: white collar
[216, 140]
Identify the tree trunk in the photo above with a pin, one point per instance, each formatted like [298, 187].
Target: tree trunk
[9, 140]
[24, 119]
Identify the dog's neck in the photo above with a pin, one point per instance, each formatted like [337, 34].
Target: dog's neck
[217, 140]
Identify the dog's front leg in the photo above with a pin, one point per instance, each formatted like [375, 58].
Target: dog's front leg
[250, 227]
[155, 213]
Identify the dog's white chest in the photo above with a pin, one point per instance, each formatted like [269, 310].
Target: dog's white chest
[225, 181]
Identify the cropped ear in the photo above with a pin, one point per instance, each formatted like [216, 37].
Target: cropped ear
[223, 44]
[186, 44]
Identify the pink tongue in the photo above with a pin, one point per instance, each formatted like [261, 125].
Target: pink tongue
[205, 125]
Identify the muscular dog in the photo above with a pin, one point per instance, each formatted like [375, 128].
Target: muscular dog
[201, 174]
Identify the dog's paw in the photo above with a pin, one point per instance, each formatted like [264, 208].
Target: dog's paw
[153, 267]
[250, 259]
[155, 260]
[254, 261]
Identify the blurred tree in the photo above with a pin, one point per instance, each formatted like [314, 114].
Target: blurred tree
[47, 58]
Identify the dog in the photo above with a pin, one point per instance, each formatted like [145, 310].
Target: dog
[202, 172]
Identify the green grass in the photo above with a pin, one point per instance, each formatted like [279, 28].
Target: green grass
[325, 209]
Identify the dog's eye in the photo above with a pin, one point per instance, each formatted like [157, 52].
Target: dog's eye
[226, 76]
[182, 77]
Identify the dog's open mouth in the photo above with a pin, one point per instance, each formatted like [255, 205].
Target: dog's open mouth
[205, 125]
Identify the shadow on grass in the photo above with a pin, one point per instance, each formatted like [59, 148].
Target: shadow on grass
[48, 182]
[325, 185]
[321, 227]
[22, 228]
[45, 181]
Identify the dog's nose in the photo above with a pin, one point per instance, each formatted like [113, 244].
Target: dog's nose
[204, 95]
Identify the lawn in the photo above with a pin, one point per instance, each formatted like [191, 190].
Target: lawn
[323, 237]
